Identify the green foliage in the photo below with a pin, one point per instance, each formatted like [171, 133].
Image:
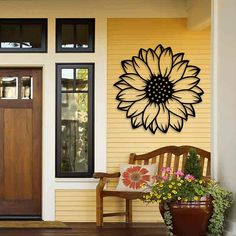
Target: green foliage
[222, 201]
[192, 165]
[168, 219]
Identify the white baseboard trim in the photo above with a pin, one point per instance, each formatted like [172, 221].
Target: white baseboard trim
[230, 228]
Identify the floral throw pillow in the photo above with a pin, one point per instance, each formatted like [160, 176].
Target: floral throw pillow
[133, 177]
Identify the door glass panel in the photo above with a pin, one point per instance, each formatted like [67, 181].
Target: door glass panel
[67, 79]
[27, 87]
[8, 87]
[82, 79]
[82, 36]
[31, 36]
[10, 35]
[67, 35]
[74, 132]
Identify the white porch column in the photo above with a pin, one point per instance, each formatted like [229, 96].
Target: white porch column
[224, 98]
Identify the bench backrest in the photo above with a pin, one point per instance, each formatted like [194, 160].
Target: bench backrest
[173, 157]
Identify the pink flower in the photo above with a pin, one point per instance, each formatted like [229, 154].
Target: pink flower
[165, 177]
[166, 170]
[189, 177]
[179, 173]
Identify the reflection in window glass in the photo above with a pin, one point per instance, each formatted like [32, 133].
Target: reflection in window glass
[82, 36]
[8, 87]
[27, 87]
[74, 132]
[31, 36]
[10, 36]
[67, 36]
[75, 35]
[23, 35]
[67, 79]
[82, 79]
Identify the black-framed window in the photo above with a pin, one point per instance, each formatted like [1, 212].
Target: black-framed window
[23, 35]
[75, 120]
[75, 35]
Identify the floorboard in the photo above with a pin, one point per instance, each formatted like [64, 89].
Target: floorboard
[89, 229]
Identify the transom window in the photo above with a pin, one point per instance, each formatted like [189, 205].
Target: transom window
[75, 35]
[23, 35]
[75, 114]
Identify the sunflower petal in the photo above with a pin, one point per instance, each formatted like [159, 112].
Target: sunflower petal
[134, 80]
[153, 126]
[186, 83]
[142, 54]
[152, 61]
[190, 110]
[124, 106]
[178, 71]
[176, 122]
[166, 62]
[127, 66]
[191, 71]
[130, 95]
[178, 58]
[197, 90]
[159, 49]
[141, 68]
[163, 119]
[136, 121]
[121, 84]
[187, 96]
[176, 107]
[150, 113]
[137, 107]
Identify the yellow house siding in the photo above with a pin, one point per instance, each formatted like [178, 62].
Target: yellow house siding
[125, 38]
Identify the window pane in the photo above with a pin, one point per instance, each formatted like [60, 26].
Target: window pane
[10, 36]
[82, 36]
[8, 87]
[31, 36]
[67, 36]
[74, 132]
[67, 79]
[82, 79]
[27, 87]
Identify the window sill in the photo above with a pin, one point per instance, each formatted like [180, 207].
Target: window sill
[75, 183]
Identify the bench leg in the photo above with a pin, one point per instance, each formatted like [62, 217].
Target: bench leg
[99, 210]
[128, 211]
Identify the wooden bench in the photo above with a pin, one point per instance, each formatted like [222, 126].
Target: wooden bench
[169, 156]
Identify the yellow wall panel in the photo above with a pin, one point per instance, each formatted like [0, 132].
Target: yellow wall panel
[125, 38]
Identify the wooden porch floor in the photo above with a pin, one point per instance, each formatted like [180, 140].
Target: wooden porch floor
[89, 229]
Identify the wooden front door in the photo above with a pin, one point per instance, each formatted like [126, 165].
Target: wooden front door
[20, 142]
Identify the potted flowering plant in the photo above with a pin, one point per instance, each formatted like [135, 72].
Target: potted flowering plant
[189, 206]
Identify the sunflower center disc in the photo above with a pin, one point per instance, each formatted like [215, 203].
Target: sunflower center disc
[159, 89]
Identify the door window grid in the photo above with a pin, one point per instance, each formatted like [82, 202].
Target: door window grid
[16, 87]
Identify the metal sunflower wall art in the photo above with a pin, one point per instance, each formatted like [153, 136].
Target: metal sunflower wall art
[158, 89]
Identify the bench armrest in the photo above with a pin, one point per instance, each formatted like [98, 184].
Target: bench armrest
[99, 175]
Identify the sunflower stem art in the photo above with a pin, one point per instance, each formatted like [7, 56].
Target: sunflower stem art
[158, 89]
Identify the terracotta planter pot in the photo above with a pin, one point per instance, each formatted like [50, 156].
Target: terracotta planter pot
[190, 218]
